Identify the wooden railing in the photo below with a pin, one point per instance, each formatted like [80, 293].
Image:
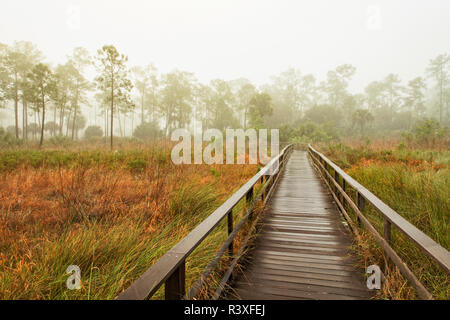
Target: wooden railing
[170, 269]
[332, 175]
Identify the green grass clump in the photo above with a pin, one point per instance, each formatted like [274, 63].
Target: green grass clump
[191, 200]
[133, 159]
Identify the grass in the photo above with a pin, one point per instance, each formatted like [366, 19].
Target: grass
[416, 184]
[111, 213]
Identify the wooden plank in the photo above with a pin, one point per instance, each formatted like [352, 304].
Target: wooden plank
[276, 265]
[268, 231]
[294, 248]
[305, 230]
[326, 219]
[294, 241]
[265, 295]
[264, 270]
[316, 292]
[300, 255]
[284, 280]
[274, 293]
[318, 261]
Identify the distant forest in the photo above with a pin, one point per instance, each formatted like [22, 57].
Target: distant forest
[39, 101]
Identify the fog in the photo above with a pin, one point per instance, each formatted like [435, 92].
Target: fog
[233, 39]
[130, 130]
[337, 64]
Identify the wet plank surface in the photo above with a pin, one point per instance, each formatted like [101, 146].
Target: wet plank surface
[303, 249]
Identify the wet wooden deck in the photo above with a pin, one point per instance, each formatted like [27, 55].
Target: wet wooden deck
[303, 248]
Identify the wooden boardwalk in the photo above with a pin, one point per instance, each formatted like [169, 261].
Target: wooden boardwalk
[303, 248]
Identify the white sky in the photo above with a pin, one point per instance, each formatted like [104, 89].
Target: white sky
[241, 38]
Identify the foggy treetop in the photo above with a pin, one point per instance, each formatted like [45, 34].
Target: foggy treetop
[39, 99]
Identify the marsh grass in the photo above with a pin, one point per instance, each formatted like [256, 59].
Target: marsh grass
[416, 184]
[112, 219]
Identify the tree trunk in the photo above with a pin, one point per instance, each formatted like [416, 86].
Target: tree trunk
[25, 120]
[54, 122]
[142, 107]
[245, 118]
[112, 109]
[132, 122]
[153, 105]
[441, 100]
[68, 123]
[125, 125]
[43, 123]
[16, 105]
[36, 121]
[73, 122]
[120, 123]
[106, 123]
[75, 114]
[61, 120]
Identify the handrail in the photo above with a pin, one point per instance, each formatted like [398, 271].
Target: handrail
[439, 254]
[170, 268]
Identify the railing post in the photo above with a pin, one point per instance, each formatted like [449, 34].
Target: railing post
[249, 195]
[361, 202]
[263, 195]
[344, 186]
[230, 230]
[336, 178]
[248, 198]
[387, 230]
[175, 287]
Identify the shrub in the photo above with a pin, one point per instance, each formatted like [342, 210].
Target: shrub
[12, 130]
[311, 132]
[147, 130]
[429, 131]
[137, 164]
[7, 139]
[93, 131]
[60, 141]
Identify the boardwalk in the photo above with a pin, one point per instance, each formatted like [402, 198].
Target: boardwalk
[303, 248]
[302, 251]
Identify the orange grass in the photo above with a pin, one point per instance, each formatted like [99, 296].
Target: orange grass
[112, 221]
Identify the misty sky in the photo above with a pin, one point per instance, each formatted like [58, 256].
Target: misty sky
[240, 38]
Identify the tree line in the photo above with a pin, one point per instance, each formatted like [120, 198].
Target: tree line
[52, 99]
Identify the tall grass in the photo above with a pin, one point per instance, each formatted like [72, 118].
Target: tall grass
[111, 213]
[416, 184]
